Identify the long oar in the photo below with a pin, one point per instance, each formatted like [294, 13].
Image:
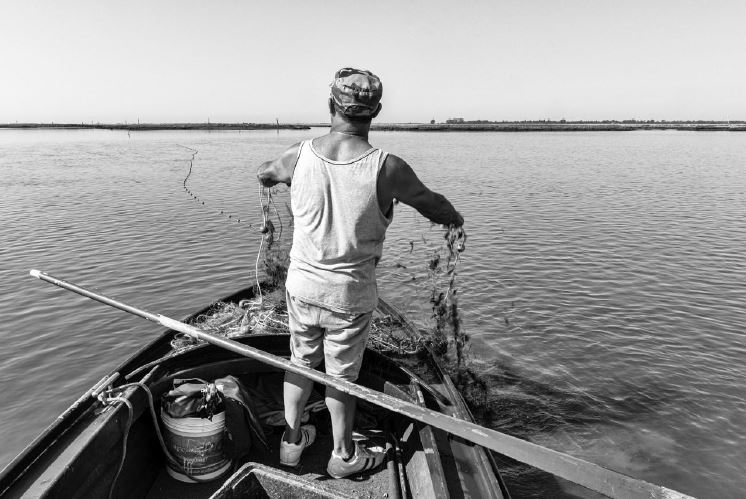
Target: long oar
[589, 475]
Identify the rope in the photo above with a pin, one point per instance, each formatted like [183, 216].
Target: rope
[151, 406]
[128, 425]
[279, 218]
[261, 243]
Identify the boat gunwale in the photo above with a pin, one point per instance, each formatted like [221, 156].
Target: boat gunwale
[66, 420]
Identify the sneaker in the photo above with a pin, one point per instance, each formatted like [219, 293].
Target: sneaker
[290, 453]
[362, 460]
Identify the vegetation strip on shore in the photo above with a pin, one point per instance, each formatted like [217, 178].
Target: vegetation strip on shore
[144, 127]
[562, 126]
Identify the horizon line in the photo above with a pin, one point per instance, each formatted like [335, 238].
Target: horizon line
[450, 121]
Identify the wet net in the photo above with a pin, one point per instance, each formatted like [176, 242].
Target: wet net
[267, 313]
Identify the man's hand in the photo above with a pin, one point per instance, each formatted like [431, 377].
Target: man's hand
[459, 220]
[456, 237]
[265, 175]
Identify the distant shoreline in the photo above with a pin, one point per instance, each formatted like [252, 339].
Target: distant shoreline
[554, 126]
[507, 126]
[146, 127]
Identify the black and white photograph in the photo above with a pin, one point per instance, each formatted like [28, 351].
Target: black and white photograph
[375, 250]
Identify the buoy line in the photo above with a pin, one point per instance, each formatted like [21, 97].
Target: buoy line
[267, 228]
[185, 185]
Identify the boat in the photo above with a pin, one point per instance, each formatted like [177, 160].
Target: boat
[110, 442]
[108, 445]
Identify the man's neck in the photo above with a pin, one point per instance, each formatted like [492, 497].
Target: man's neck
[341, 127]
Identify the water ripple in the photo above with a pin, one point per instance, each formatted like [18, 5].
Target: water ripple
[602, 284]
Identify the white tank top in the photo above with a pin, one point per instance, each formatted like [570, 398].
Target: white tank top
[338, 230]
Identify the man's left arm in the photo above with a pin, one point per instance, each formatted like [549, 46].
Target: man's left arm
[402, 183]
[279, 170]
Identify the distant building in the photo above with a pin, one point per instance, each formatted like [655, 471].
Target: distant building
[454, 120]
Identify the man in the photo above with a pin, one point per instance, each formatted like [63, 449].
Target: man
[342, 193]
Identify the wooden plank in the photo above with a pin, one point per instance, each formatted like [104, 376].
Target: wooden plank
[430, 449]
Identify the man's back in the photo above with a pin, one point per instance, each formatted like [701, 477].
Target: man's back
[339, 227]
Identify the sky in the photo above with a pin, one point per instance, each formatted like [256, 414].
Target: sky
[257, 61]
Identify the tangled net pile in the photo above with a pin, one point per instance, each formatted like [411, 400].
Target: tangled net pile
[232, 320]
[269, 316]
[386, 337]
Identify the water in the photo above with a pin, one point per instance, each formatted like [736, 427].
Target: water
[602, 285]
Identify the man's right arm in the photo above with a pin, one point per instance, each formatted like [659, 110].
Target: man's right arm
[279, 170]
[403, 184]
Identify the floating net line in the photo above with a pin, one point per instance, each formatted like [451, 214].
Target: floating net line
[276, 256]
[188, 189]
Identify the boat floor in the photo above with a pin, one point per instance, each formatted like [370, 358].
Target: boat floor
[264, 387]
[312, 468]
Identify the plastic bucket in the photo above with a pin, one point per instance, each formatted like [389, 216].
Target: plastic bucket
[197, 445]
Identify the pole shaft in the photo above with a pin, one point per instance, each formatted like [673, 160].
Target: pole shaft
[94, 296]
[589, 475]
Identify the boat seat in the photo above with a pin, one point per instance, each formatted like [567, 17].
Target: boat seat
[259, 481]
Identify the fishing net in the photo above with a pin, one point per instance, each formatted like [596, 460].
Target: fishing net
[276, 254]
[444, 293]
[386, 336]
[448, 329]
[267, 313]
[269, 316]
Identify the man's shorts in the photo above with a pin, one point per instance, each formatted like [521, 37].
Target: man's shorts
[317, 334]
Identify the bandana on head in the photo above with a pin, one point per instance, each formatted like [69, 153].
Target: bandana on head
[356, 92]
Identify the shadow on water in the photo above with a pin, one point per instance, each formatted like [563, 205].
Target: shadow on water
[525, 406]
[502, 398]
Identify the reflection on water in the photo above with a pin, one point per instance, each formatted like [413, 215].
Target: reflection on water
[602, 285]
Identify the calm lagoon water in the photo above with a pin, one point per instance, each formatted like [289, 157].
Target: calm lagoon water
[603, 285]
